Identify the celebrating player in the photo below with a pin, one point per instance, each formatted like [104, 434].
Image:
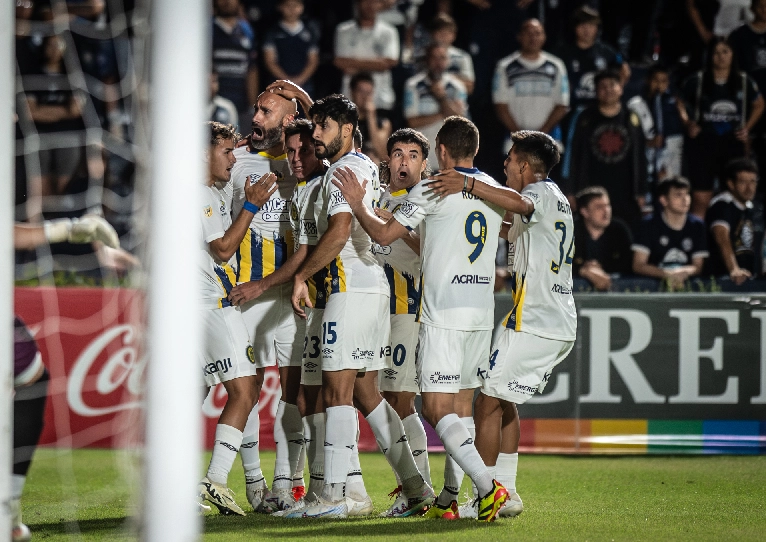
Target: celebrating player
[408, 152]
[227, 355]
[457, 303]
[354, 325]
[540, 329]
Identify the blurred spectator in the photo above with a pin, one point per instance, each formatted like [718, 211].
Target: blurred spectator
[730, 219]
[402, 14]
[433, 95]
[588, 56]
[602, 243]
[671, 245]
[57, 114]
[531, 89]
[662, 118]
[234, 59]
[443, 30]
[374, 130]
[723, 105]
[731, 14]
[749, 45]
[367, 44]
[608, 150]
[291, 49]
[702, 14]
[220, 109]
[629, 27]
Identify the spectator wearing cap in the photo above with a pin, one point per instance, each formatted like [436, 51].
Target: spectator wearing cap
[602, 243]
[731, 222]
[671, 245]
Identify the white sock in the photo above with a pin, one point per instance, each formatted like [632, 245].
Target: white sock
[416, 435]
[283, 476]
[298, 474]
[340, 442]
[459, 444]
[228, 440]
[17, 485]
[389, 433]
[293, 426]
[453, 474]
[507, 464]
[314, 434]
[470, 424]
[354, 480]
[251, 458]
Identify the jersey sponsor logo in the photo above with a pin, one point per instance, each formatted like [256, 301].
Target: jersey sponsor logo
[438, 378]
[407, 208]
[358, 353]
[275, 210]
[471, 279]
[309, 227]
[385, 351]
[481, 373]
[559, 289]
[221, 365]
[521, 388]
[336, 198]
[208, 211]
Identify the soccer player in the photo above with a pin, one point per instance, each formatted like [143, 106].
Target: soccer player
[227, 356]
[30, 377]
[276, 333]
[408, 155]
[354, 326]
[540, 329]
[456, 304]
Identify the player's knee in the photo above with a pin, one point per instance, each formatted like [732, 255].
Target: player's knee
[432, 413]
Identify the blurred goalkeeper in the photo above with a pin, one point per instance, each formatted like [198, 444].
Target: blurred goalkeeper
[30, 378]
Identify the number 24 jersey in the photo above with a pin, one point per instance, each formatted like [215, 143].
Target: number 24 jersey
[458, 243]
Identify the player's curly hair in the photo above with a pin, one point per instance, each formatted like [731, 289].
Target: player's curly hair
[537, 148]
[336, 107]
[221, 132]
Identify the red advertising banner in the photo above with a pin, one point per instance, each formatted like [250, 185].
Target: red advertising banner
[92, 342]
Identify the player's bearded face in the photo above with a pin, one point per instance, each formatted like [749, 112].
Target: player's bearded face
[327, 150]
[264, 138]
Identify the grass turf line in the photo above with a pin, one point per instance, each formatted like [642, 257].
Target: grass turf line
[84, 495]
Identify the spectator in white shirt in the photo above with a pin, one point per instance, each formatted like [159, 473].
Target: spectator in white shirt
[443, 30]
[368, 44]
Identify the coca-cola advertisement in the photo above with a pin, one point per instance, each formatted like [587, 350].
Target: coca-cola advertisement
[92, 342]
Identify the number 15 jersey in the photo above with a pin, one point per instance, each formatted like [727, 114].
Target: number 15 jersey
[540, 258]
[458, 243]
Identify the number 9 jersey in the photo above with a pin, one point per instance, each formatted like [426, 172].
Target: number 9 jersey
[540, 252]
[458, 243]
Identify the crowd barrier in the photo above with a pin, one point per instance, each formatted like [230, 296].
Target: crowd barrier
[656, 373]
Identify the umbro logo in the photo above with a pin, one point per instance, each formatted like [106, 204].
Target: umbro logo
[226, 445]
[248, 445]
[310, 365]
[467, 442]
[403, 438]
[416, 453]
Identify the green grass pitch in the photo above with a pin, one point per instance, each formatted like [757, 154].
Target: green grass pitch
[83, 495]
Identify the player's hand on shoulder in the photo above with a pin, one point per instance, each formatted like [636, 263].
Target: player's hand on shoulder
[348, 183]
[261, 190]
[447, 182]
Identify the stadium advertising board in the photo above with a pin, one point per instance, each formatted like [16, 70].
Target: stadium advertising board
[649, 374]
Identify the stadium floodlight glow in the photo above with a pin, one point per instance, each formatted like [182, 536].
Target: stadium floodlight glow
[7, 149]
[180, 61]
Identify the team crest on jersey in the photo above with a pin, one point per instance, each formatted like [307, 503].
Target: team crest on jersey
[222, 207]
[407, 208]
[250, 353]
[208, 210]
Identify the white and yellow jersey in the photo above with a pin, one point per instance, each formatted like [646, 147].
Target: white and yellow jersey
[355, 269]
[401, 264]
[458, 243]
[304, 227]
[270, 239]
[218, 278]
[540, 259]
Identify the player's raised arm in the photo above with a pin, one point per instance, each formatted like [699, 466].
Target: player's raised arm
[381, 231]
[452, 182]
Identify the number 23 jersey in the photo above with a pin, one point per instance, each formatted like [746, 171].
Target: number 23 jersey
[458, 243]
[540, 252]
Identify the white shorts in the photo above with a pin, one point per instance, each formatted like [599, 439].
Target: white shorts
[448, 360]
[274, 328]
[355, 331]
[520, 365]
[311, 367]
[400, 373]
[227, 353]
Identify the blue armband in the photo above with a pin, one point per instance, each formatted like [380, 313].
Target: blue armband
[253, 208]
